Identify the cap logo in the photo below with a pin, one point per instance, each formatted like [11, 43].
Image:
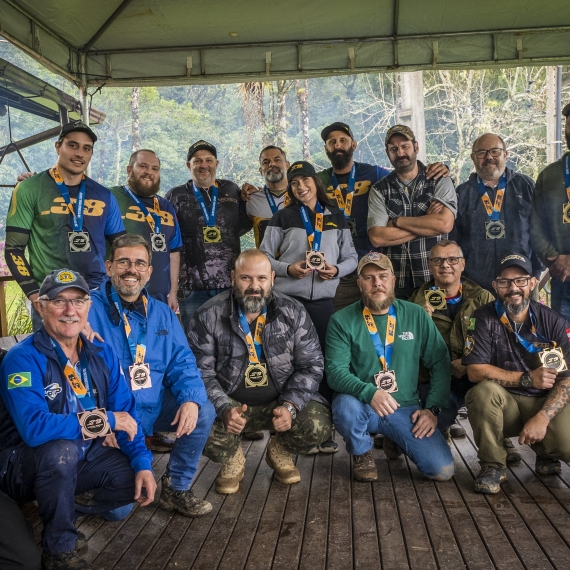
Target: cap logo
[65, 277]
[373, 256]
[509, 257]
[297, 166]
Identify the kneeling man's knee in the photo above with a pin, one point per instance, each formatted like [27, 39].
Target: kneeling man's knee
[346, 409]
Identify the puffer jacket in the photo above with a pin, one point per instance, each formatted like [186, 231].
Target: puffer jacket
[290, 346]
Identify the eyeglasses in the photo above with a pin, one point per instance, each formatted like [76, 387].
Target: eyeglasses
[518, 281]
[440, 260]
[494, 152]
[60, 303]
[139, 264]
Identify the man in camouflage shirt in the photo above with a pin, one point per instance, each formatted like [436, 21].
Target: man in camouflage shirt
[261, 362]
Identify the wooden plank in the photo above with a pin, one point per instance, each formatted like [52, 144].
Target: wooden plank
[314, 551]
[339, 556]
[392, 545]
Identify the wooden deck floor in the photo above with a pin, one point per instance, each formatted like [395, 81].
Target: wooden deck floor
[329, 521]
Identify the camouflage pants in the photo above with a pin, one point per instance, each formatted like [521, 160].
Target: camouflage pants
[311, 427]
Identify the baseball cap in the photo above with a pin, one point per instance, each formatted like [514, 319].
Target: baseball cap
[77, 126]
[61, 279]
[566, 110]
[336, 127]
[514, 259]
[379, 259]
[201, 145]
[300, 168]
[403, 130]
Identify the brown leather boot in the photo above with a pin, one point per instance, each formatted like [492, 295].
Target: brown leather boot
[279, 459]
[364, 468]
[231, 473]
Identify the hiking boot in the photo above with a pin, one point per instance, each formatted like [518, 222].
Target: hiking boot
[489, 479]
[329, 446]
[185, 502]
[64, 561]
[512, 454]
[231, 473]
[456, 431]
[547, 466]
[279, 459]
[158, 442]
[252, 435]
[390, 448]
[364, 468]
[81, 543]
[379, 441]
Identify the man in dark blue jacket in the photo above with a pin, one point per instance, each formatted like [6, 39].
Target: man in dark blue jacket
[61, 396]
[159, 366]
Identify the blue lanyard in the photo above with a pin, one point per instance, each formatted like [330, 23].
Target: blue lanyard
[345, 206]
[383, 351]
[87, 400]
[496, 209]
[274, 207]
[154, 216]
[313, 234]
[453, 300]
[256, 338]
[567, 175]
[76, 215]
[209, 217]
[529, 346]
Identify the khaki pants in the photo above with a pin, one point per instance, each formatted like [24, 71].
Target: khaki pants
[495, 413]
[347, 292]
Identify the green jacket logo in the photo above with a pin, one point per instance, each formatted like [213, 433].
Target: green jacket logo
[20, 380]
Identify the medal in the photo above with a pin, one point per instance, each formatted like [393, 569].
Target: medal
[553, 358]
[435, 298]
[495, 229]
[566, 213]
[212, 234]
[256, 375]
[79, 242]
[315, 260]
[140, 376]
[94, 423]
[158, 242]
[386, 381]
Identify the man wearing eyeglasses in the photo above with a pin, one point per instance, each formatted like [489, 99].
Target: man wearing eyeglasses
[493, 212]
[63, 400]
[159, 367]
[517, 352]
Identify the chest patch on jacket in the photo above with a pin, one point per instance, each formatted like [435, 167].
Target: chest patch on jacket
[52, 390]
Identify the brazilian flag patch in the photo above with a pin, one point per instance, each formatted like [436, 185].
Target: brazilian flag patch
[20, 380]
[471, 324]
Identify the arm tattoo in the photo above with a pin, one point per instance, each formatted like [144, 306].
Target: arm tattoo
[503, 383]
[557, 398]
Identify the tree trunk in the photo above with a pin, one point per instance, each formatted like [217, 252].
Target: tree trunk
[135, 117]
[281, 113]
[118, 166]
[303, 99]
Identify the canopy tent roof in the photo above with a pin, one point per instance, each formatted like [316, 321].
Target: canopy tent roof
[166, 42]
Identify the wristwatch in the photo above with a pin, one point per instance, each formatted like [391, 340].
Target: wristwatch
[435, 410]
[291, 409]
[526, 381]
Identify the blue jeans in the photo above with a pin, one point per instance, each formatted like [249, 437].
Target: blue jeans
[190, 304]
[187, 449]
[560, 297]
[355, 421]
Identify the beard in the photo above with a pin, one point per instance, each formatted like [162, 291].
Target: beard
[400, 166]
[340, 158]
[252, 304]
[271, 176]
[142, 190]
[125, 291]
[490, 170]
[378, 306]
[516, 309]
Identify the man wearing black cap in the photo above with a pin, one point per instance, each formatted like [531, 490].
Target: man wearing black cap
[550, 227]
[517, 351]
[409, 213]
[60, 398]
[44, 217]
[212, 218]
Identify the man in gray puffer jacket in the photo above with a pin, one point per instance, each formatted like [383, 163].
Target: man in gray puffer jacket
[261, 362]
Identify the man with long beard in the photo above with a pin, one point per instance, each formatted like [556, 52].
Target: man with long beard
[517, 351]
[151, 216]
[374, 348]
[261, 362]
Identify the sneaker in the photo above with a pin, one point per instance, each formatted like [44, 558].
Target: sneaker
[489, 479]
[547, 466]
[158, 442]
[313, 450]
[512, 454]
[390, 448]
[64, 561]
[462, 413]
[185, 502]
[252, 435]
[364, 468]
[279, 459]
[329, 446]
[81, 544]
[231, 473]
[379, 441]
[456, 431]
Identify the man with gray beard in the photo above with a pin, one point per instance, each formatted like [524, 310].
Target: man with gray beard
[261, 362]
[517, 351]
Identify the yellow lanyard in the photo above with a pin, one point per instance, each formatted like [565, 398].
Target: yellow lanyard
[384, 351]
[141, 348]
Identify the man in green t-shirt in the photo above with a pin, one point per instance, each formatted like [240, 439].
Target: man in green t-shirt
[374, 348]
